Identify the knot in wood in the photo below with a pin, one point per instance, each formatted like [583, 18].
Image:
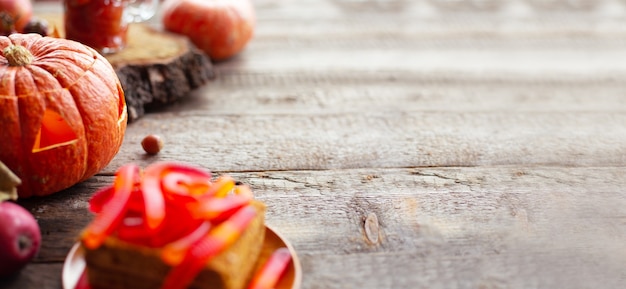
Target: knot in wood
[372, 228]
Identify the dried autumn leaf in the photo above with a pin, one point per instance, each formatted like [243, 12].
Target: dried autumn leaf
[8, 183]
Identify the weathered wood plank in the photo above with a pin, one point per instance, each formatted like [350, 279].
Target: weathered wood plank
[339, 92]
[61, 217]
[487, 62]
[440, 267]
[456, 228]
[416, 36]
[515, 227]
[36, 275]
[380, 139]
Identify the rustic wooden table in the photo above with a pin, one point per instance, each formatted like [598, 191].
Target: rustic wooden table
[409, 144]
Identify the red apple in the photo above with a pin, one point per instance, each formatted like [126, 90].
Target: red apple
[20, 238]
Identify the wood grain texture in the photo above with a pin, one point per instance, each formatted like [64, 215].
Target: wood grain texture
[460, 227]
[381, 139]
[410, 144]
[35, 275]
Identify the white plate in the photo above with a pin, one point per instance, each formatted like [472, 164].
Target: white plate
[73, 267]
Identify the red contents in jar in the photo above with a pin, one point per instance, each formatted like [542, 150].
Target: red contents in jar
[96, 23]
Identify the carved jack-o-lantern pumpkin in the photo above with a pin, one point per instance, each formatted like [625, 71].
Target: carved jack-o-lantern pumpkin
[62, 112]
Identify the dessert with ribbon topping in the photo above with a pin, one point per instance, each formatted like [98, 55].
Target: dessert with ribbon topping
[172, 226]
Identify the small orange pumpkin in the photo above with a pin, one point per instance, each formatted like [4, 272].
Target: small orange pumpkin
[62, 112]
[220, 28]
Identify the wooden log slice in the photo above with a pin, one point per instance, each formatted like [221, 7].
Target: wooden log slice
[156, 68]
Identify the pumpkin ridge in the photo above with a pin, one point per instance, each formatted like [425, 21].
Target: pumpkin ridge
[119, 119]
[27, 150]
[81, 76]
[102, 81]
[44, 59]
[18, 164]
[121, 101]
[49, 97]
[75, 102]
[26, 166]
[53, 75]
[45, 48]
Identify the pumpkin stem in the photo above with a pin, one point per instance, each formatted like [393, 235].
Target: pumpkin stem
[17, 55]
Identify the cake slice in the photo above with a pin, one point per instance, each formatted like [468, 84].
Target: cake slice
[118, 264]
[137, 260]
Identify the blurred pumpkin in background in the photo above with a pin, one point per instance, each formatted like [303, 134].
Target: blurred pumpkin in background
[14, 15]
[220, 28]
[62, 112]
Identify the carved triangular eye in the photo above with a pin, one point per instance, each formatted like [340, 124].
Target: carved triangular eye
[54, 132]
